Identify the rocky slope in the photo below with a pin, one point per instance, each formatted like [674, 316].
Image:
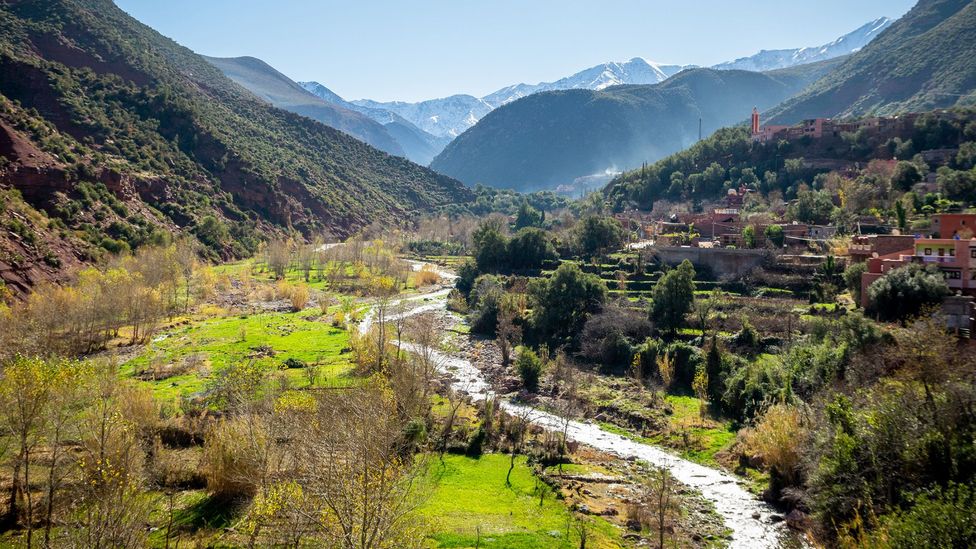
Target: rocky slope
[117, 137]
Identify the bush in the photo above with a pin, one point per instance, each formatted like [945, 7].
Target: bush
[938, 518]
[777, 440]
[751, 387]
[426, 277]
[747, 338]
[852, 278]
[609, 337]
[486, 300]
[299, 297]
[529, 367]
[904, 292]
[232, 457]
[686, 360]
[467, 273]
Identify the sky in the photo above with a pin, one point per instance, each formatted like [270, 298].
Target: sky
[410, 50]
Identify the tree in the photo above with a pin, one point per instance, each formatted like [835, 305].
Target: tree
[68, 399]
[657, 504]
[902, 215]
[775, 235]
[562, 303]
[490, 246]
[509, 334]
[529, 249]
[425, 334]
[700, 386]
[905, 176]
[673, 297]
[467, 273]
[212, 233]
[815, 207]
[25, 391]
[363, 484]
[905, 291]
[486, 302]
[852, 278]
[527, 216]
[529, 367]
[703, 308]
[749, 236]
[713, 371]
[595, 235]
[516, 436]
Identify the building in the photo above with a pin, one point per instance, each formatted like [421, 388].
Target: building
[865, 247]
[954, 225]
[955, 257]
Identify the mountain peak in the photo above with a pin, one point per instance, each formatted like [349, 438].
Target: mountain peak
[767, 60]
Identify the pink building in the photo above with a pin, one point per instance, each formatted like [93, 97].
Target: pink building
[955, 258]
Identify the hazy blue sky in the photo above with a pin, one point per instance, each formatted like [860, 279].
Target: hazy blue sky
[421, 49]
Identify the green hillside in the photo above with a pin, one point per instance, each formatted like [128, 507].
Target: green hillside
[267, 83]
[925, 60]
[552, 138]
[117, 136]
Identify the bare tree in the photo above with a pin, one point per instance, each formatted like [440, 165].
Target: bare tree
[517, 427]
[306, 259]
[657, 505]
[509, 334]
[703, 308]
[425, 334]
[278, 257]
[353, 467]
[68, 399]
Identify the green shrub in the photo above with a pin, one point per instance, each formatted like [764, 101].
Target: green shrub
[529, 367]
[938, 518]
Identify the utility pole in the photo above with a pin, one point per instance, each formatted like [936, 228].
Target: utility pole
[699, 128]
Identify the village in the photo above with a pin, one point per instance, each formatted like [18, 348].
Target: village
[730, 241]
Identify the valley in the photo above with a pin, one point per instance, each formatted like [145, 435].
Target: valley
[644, 305]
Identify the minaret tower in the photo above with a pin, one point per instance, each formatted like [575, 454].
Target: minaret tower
[755, 121]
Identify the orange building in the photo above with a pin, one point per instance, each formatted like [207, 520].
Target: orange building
[956, 258]
[953, 225]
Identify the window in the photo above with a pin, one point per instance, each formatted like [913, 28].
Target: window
[952, 252]
[941, 252]
[928, 251]
[953, 275]
[972, 253]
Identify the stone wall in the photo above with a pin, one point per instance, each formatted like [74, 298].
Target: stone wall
[724, 262]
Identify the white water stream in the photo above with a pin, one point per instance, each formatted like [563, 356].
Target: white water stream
[737, 507]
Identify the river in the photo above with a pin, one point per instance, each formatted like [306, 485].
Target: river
[737, 506]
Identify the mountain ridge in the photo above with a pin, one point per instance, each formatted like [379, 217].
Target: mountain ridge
[851, 42]
[269, 84]
[142, 138]
[925, 60]
[451, 116]
[556, 137]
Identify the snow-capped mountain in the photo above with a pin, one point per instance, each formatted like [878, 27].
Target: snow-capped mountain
[767, 60]
[636, 71]
[449, 117]
[419, 145]
[445, 117]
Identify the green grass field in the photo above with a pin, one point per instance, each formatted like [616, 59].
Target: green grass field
[471, 493]
[269, 339]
